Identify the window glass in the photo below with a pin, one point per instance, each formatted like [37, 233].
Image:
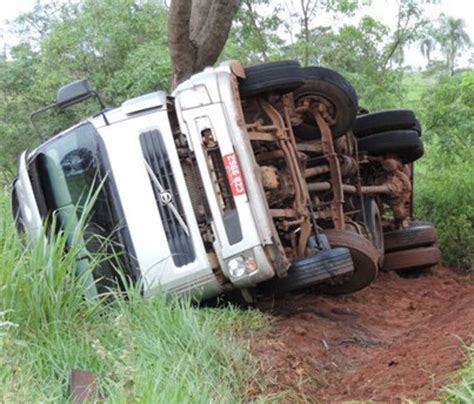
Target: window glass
[70, 172]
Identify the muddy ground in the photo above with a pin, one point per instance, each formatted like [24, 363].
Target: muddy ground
[398, 339]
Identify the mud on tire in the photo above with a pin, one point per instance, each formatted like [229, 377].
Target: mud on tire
[364, 256]
[309, 271]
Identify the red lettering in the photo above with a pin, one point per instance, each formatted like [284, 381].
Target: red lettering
[234, 175]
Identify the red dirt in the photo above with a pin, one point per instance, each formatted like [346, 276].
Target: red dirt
[398, 339]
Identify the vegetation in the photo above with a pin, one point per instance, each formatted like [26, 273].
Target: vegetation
[463, 391]
[154, 350]
[119, 45]
[445, 176]
[450, 36]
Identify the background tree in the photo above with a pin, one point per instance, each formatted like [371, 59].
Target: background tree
[122, 47]
[305, 34]
[427, 46]
[453, 38]
[254, 35]
[358, 53]
[119, 45]
[409, 23]
[198, 31]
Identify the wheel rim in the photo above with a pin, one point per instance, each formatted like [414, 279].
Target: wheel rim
[377, 230]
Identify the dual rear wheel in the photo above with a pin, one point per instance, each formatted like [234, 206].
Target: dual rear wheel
[411, 250]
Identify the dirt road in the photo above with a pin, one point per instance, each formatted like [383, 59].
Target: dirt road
[398, 339]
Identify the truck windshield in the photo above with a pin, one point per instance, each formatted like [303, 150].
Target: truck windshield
[67, 171]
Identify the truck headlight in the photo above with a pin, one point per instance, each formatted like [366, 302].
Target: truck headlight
[236, 266]
[240, 265]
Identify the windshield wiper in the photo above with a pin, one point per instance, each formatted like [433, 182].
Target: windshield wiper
[166, 198]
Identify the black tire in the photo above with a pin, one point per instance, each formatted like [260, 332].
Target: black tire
[417, 235]
[312, 270]
[415, 258]
[330, 85]
[364, 256]
[385, 121]
[404, 143]
[281, 77]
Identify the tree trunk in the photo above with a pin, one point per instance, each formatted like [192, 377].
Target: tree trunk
[197, 33]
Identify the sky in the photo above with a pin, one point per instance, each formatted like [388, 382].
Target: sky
[383, 10]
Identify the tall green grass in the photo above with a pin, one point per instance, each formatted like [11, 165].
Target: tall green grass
[155, 350]
[444, 189]
[462, 391]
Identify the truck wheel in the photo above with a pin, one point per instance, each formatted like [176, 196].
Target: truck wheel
[312, 270]
[281, 77]
[364, 256]
[415, 258]
[385, 121]
[327, 84]
[373, 220]
[417, 235]
[404, 143]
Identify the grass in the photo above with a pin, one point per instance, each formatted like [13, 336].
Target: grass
[443, 195]
[155, 350]
[463, 390]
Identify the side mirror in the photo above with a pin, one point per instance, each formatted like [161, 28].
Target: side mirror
[73, 93]
[70, 94]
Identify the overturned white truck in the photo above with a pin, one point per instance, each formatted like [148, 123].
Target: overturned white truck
[257, 178]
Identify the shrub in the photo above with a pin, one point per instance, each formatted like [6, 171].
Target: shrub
[444, 189]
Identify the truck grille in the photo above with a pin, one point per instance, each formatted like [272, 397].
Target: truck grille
[196, 190]
[180, 243]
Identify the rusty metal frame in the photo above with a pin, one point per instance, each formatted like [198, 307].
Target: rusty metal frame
[319, 110]
[280, 132]
[339, 158]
